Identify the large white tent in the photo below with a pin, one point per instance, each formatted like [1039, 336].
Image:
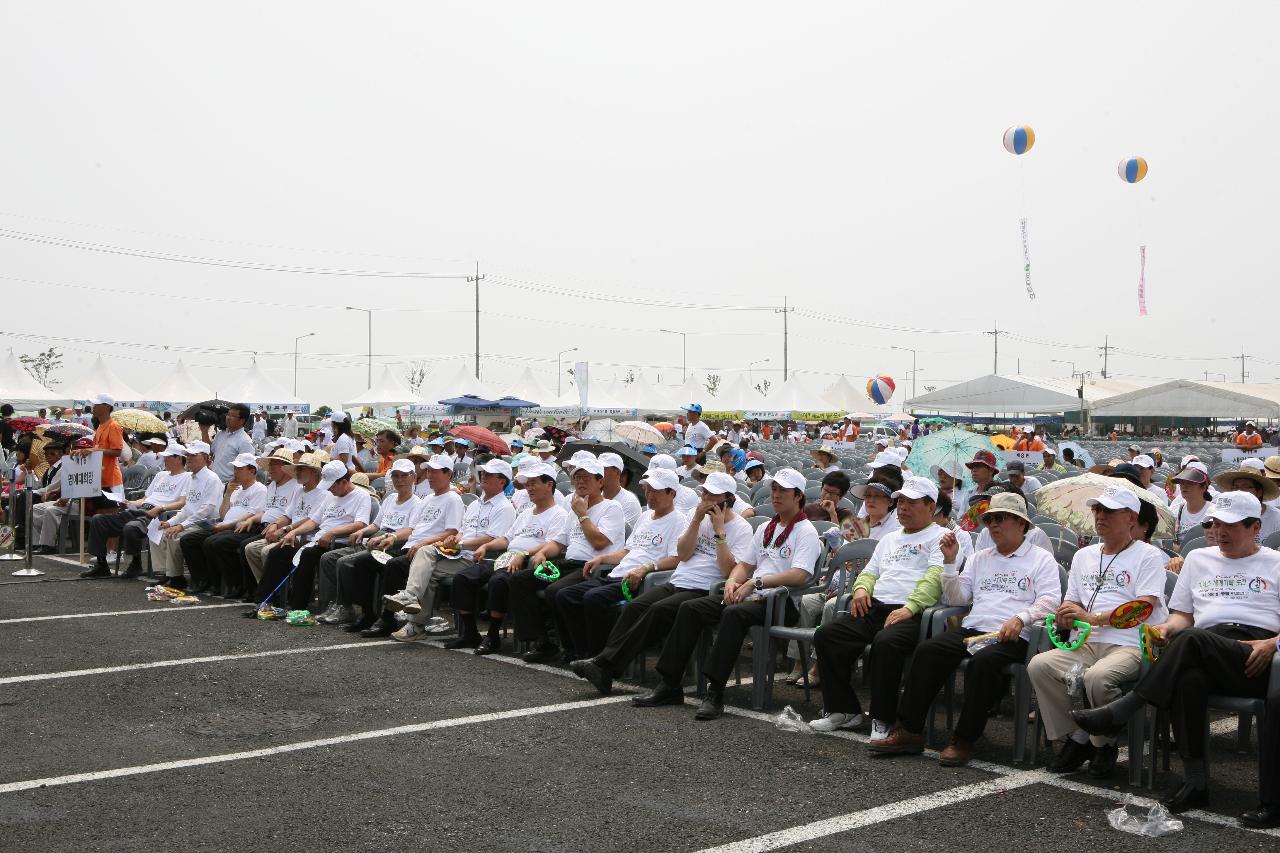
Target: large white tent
[1009, 395]
[456, 379]
[844, 395]
[388, 391]
[20, 389]
[797, 394]
[1185, 398]
[100, 379]
[648, 399]
[735, 395]
[529, 387]
[179, 387]
[258, 392]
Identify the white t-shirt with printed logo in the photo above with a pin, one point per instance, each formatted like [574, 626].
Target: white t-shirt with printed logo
[901, 560]
[631, 509]
[1185, 517]
[799, 551]
[279, 498]
[165, 488]
[653, 539]
[1135, 572]
[701, 570]
[1216, 589]
[997, 587]
[435, 515]
[397, 515]
[532, 528]
[305, 503]
[336, 511]
[697, 435]
[608, 519]
[487, 517]
[244, 503]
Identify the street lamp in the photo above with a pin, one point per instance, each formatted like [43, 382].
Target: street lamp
[558, 355]
[295, 359]
[913, 366]
[751, 378]
[684, 352]
[1063, 361]
[369, 372]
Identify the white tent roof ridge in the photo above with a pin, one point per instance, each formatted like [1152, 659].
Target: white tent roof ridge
[999, 394]
[1191, 398]
[179, 386]
[20, 388]
[387, 390]
[101, 379]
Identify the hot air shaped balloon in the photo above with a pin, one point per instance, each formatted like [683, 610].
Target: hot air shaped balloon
[1132, 169]
[1019, 139]
[880, 389]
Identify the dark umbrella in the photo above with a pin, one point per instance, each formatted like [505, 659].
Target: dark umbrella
[209, 413]
[26, 423]
[633, 460]
[72, 430]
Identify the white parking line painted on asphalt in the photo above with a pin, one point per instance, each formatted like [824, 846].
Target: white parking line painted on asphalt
[413, 728]
[160, 664]
[170, 609]
[878, 814]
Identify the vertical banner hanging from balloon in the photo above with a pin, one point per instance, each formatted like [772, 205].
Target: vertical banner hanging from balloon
[1142, 281]
[1018, 140]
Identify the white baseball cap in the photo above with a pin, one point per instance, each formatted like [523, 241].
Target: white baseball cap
[294, 446]
[882, 442]
[540, 469]
[197, 447]
[404, 466]
[339, 417]
[591, 466]
[914, 488]
[789, 478]
[103, 400]
[174, 449]
[611, 460]
[246, 460]
[660, 478]
[497, 466]
[332, 472]
[1142, 460]
[1231, 507]
[901, 451]
[884, 459]
[1255, 464]
[1050, 449]
[439, 462]
[720, 484]
[663, 460]
[1116, 497]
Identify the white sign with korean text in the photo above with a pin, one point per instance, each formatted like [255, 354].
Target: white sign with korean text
[82, 478]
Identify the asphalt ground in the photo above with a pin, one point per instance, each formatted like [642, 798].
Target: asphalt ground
[191, 728]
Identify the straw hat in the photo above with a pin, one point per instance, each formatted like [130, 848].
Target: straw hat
[1272, 465]
[1270, 487]
[361, 480]
[279, 453]
[825, 451]
[310, 460]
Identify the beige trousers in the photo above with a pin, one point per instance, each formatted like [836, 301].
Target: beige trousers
[1107, 667]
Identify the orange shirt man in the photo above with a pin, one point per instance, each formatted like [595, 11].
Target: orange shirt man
[109, 438]
[1250, 437]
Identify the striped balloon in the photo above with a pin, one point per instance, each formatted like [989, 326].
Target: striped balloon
[1132, 169]
[880, 388]
[1019, 139]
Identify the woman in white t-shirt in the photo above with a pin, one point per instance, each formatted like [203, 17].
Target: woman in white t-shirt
[344, 444]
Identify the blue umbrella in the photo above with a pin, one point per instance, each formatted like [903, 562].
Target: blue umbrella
[514, 403]
[948, 449]
[468, 401]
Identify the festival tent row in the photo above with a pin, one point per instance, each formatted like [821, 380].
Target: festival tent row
[1193, 399]
[22, 390]
[994, 394]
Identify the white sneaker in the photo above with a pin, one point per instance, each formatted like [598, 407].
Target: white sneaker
[330, 614]
[439, 625]
[409, 633]
[836, 720]
[400, 601]
[879, 730]
[344, 615]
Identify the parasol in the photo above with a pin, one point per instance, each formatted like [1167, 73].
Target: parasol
[602, 429]
[1003, 441]
[947, 448]
[484, 437]
[1080, 453]
[26, 423]
[1064, 502]
[136, 420]
[664, 426]
[533, 434]
[71, 429]
[638, 433]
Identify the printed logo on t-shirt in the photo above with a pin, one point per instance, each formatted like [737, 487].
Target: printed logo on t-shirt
[1003, 582]
[781, 554]
[648, 538]
[1230, 587]
[535, 532]
[429, 515]
[1123, 578]
[1258, 584]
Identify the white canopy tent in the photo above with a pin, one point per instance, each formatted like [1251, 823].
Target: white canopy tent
[457, 379]
[1185, 398]
[529, 387]
[995, 394]
[797, 394]
[21, 390]
[648, 399]
[254, 389]
[843, 394]
[179, 386]
[387, 392]
[100, 379]
[736, 395]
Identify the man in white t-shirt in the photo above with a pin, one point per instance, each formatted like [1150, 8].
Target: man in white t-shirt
[1016, 472]
[615, 477]
[222, 549]
[784, 554]
[197, 512]
[598, 527]
[585, 612]
[1221, 634]
[713, 542]
[902, 580]
[688, 461]
[1103, 576]
[697, 433]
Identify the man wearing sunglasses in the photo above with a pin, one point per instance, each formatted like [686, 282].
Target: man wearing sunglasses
[1103, 576]
[1222, 636]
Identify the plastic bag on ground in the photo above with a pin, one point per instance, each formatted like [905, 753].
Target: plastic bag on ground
[1156, 823]
[790, 721]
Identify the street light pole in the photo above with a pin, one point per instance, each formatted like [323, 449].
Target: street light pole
[913, 366]
[684, 352]
[558, 373]
[1064, 361]
[750, 377]
[295, 360]
[369, 372]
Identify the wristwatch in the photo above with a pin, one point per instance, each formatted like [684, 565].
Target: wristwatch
[759, 584]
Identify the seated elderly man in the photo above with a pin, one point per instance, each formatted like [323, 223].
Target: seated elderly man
[902, 579]
[1103, 576]
[198, 511]
[306, 500]
[222, 550]
[1008, 588]
[164, 492]
[536, 535]
[784, 553]
[714, 541]
[243, 498]
[1221, 636]
[47, 491]
[1265, 489]
[616, 480]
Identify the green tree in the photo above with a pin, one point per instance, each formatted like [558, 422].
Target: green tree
[43, 365]
[629, 378]
[417, 373]
[713, 383]
[763, 386]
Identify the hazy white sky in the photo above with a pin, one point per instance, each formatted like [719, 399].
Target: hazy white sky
[847, 156]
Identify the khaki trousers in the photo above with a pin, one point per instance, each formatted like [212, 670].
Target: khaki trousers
[255, 553]
[425, 573]
[1107, 666]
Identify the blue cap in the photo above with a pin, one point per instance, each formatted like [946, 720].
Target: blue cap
[515, 442]
[688, 450]
[695, 408]
[464, 442]
[752, 463]
[649, 448]
[436, 442]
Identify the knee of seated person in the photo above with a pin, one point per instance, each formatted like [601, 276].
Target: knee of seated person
[1096, 677]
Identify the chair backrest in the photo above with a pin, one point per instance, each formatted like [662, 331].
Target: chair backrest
[851, 558]
[757, 520]
[1188, 547]
[765, 510]
[1195, 531]
[468, 497]
[1272, 541]
[811, 493]
[1170, 581]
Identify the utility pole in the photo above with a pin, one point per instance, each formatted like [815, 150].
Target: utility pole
[1105, 349]
[784, 311]
[369, 368]
[477, 278]
[913, 366]
[1242, 357]
[995, 339]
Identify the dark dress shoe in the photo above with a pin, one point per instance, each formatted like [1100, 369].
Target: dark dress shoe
[663, 694]
[1103, 763]
[544, 652]
[97, 572]
[357, 627]
[1263, 817]
[133, 570]
[1071, 757]
[1185, 799]
[1098, 721]
[200, 588]
[384, 627]
[464, 642]
[600, 679]
[179, 582]
[711, 707]
[488, 646]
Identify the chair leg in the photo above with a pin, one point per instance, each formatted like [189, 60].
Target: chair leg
[1137, 740]
[1242, 732]
[1021, 707]
[762, 666]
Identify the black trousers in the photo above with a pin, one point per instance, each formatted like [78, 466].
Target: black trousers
[468, 584]
[192, 544]
[278, 566]
[222, 553]
[1269, 756]
[530, 611]
[103, 527]
[358, 578]
[840, 643]
[936, 658]
[694, 616]
[247, 580]
[1197, 663]
[584, 636]
[641, 623]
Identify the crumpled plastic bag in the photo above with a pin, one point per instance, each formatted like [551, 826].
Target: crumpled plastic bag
[790, 721]
[1157, 822]
[1075, 682]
